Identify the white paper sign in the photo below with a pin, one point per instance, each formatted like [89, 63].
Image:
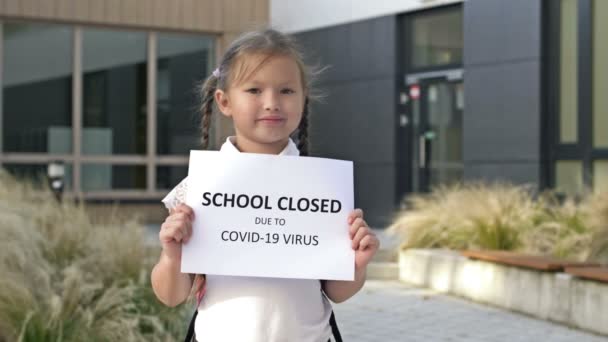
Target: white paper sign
[269, 216]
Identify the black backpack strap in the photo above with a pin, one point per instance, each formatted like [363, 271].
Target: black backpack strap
[334, 328]
[190, 333]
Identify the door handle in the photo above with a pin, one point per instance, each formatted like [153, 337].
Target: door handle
[422, 151]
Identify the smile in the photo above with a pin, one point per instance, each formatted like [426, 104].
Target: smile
[271, 120]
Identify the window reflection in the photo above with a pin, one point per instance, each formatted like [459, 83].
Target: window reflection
[167, 177]
[437, 38]
[569, 177]
[600, 74]
[103, 177]
[183, 62]
[568, 72]
[114, 92]
[37, 88]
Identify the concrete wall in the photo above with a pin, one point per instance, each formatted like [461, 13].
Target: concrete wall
[357, 119]
[502, 61]
[557, 297]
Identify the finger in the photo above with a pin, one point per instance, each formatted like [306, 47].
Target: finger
[368, 242]
[181, 216]
[188, 232]
[184, 208]
[354, 214]
[358, 223]
[173, 231]
[361, 232]
[178, 235]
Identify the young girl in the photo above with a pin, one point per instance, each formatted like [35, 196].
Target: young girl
[264, 87]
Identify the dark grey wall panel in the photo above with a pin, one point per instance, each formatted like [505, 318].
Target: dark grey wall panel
[502, 115]
[502, 80]
[500, 31]
[374, 182]
[518, 173]
[356, 119]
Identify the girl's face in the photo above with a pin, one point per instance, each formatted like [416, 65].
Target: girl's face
[266, 107]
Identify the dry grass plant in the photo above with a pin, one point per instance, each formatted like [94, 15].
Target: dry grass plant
[64, 278]
[506, 217]
[466, 216]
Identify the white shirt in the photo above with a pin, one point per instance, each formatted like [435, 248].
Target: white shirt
[260, 309]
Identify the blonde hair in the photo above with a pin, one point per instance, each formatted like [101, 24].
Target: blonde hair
[232, 69]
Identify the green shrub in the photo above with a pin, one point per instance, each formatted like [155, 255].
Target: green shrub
[64, 278]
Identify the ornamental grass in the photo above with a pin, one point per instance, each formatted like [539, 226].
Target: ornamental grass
[502, 216]
[66, 278]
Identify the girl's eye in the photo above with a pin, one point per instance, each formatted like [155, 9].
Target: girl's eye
[287, 91]
[253, 90]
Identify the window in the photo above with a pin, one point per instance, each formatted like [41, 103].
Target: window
[114, 92]
[600, 74]
[600, 175]
[437, 38]
[114, 160]
[577, 82]
[100, 177]
[183, 63]
[36, 88]
[568, 84]
[569, 177]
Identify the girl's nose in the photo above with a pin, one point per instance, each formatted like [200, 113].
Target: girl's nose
[271, 103]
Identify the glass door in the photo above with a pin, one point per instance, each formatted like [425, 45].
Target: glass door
[437, 113]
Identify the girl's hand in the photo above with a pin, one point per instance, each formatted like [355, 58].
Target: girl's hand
[176, 229]
[364, 240]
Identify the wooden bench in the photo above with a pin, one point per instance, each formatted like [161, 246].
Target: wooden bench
[540, 263]
[592, 273]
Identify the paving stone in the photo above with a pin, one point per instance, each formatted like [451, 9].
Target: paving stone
[393, 311]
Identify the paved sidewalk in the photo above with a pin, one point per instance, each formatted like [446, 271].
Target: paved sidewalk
[392, 311]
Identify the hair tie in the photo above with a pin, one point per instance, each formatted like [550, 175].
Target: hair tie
[216, 73]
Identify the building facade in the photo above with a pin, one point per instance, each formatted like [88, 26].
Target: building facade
[418, 93]
[425, 93]
[109, 88]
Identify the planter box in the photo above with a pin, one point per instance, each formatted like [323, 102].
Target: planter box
[554, 296]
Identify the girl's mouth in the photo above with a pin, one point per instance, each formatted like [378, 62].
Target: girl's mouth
[271, 120]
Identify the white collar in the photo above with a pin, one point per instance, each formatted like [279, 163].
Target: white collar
[178, 194]
[290, 150]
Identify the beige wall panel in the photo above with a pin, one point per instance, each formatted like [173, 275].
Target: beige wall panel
[217, 14]
[230, 16]
[47, 8]
[81, 9]
[112, 10]
[246, 10]
[198, 15]
[199, 12]
[144, 12]
[173, 9]
[64, 9]
[97, 11]
[29, 7]
[13, 7]
[262, 12]
[160, 16]
[188, 13]
[128, 13]
[208, 15]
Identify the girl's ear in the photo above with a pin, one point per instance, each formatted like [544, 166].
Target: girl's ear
[223, 103]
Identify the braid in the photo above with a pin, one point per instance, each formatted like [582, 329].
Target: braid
[303, 130]
[207, 94]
